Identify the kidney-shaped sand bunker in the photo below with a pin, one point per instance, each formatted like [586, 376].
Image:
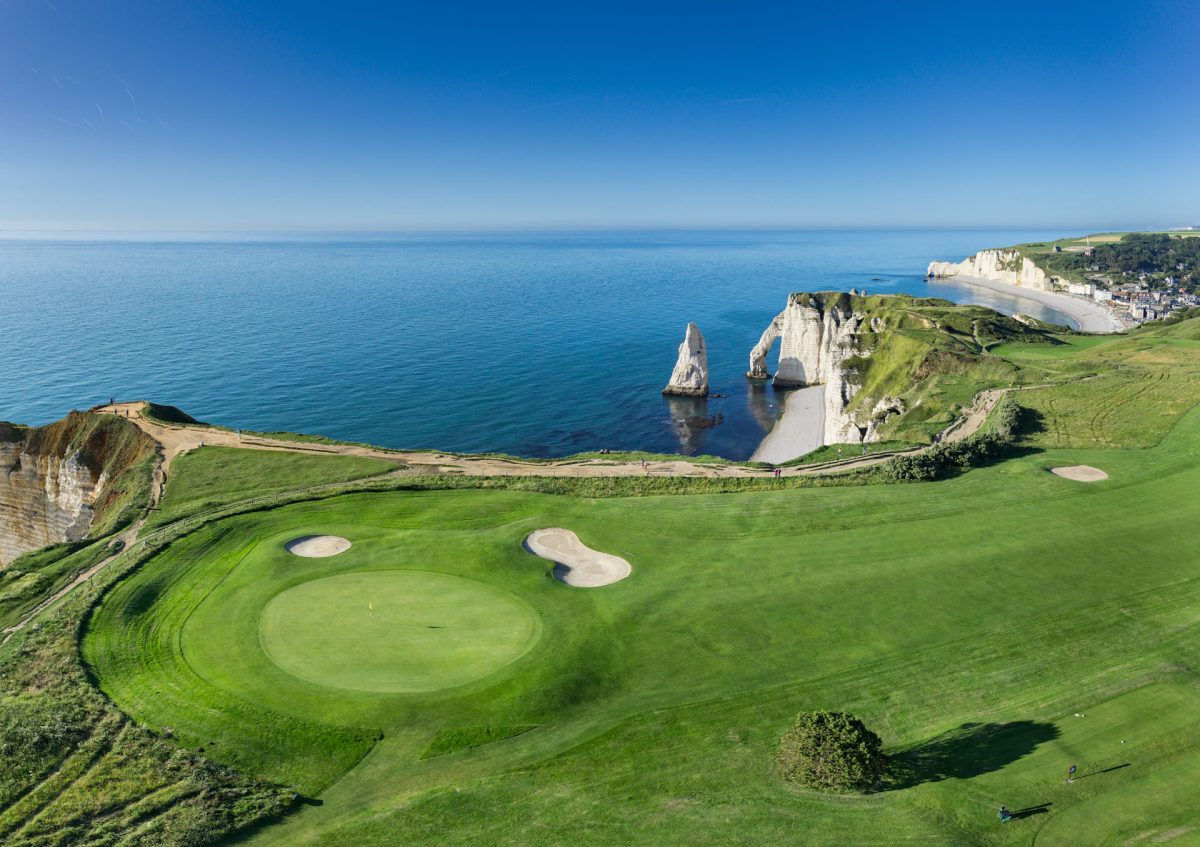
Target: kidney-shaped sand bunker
[574, 562]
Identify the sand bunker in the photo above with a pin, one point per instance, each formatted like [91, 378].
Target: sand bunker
[1080, 473]
[317, 546]
[574, 562]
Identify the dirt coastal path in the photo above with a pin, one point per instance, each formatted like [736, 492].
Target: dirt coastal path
[175, 440]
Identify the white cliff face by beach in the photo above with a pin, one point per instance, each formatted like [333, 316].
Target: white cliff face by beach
[1007, 266]
[43, 500]
[690, 376]
[816, 340]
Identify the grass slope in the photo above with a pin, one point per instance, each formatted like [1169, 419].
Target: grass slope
[1120, 391]
[205, 478]
[951, 616]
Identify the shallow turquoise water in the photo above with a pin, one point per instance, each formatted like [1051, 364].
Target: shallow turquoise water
[539, 344]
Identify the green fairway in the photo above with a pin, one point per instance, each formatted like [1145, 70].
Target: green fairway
[433, 684]
[967, 621]
[392, 631]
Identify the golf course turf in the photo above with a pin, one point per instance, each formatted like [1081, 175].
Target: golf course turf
[994, 628]
[395, 631]
[966, 620]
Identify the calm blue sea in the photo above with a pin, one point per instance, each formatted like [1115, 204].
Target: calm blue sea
[539, 344]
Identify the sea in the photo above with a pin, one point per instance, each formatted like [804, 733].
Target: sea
[538, 344]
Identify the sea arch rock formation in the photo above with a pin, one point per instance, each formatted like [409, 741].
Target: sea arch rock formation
[819, 333]
[758, 356]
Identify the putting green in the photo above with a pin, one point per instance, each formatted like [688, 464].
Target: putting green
[395, 631]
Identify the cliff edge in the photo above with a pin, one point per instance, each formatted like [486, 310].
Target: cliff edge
[82, 476]
[892, 365]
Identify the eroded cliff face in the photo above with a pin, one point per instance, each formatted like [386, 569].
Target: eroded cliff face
[1007, 266]
[43, 500]
[819, 335]
[54, 479]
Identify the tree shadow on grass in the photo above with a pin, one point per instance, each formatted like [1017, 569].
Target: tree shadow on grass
[970, 750]
[1029, 422]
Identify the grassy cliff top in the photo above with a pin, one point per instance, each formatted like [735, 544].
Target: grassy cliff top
[930, 354]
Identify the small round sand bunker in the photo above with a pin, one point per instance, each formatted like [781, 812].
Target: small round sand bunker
[1080, 473]
[317, 546]
[574, 562]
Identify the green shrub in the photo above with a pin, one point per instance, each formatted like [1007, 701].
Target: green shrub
[979, 449]
[162, 413]
[1005, 417]
[909, 466]
[832, 751]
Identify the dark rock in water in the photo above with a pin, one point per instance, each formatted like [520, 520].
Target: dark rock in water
[701, 422]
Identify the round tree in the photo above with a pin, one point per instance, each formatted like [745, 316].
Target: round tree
[832, 751]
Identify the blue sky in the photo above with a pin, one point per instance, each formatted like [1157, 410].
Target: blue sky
[224, 115]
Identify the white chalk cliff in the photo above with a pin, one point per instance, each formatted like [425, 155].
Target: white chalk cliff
[817, 337]
[690, 376]
[44, 499]
[1007, 266]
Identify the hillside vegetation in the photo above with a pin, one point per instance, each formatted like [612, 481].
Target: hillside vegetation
[213, 476]
[1122, 257]
[933, 356]
[1122, 391]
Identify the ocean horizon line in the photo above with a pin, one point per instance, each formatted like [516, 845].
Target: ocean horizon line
[302, 233]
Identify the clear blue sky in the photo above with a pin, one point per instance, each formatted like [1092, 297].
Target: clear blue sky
[229, 115]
